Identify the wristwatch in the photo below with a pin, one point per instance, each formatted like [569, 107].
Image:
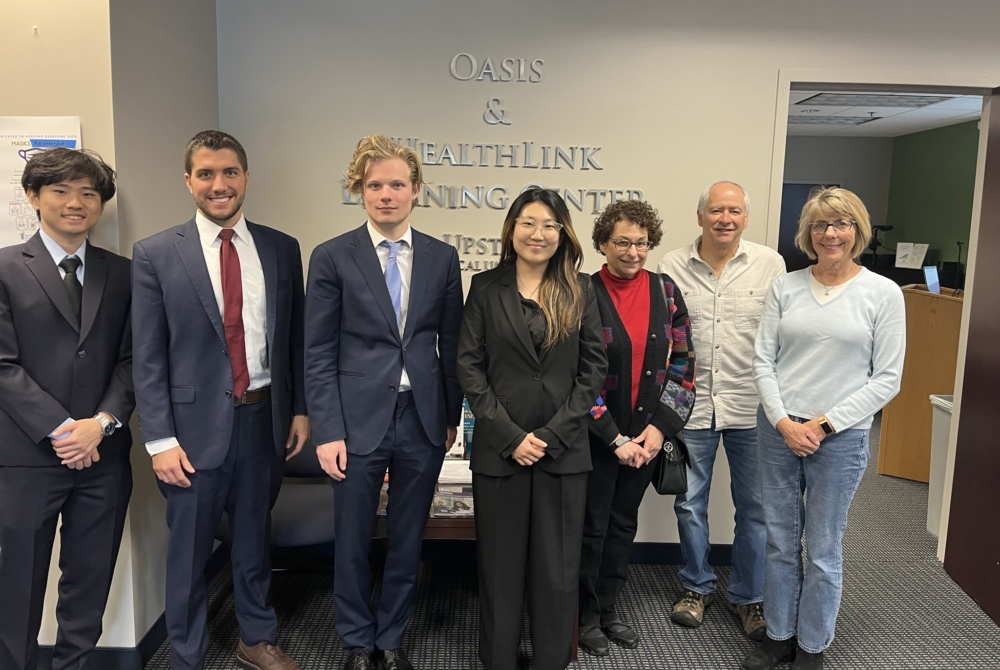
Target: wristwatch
[624, 439]
[825, 425]
[107, 426]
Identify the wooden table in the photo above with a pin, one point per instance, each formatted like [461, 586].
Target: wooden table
[437, 528]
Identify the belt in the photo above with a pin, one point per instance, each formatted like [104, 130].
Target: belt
[251, 397]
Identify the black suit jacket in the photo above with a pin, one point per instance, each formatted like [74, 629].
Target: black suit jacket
[51, 368]
[514, 391]
[183, 375]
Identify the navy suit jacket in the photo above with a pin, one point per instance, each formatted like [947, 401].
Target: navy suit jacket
[183, 376]
[355, 353]
[51, 368]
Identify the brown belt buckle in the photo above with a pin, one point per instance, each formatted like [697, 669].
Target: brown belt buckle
[252, 397]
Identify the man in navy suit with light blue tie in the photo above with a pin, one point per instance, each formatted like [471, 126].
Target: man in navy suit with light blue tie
[383, 315]
[217, 361]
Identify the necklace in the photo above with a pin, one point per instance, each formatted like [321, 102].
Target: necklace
[827, 289]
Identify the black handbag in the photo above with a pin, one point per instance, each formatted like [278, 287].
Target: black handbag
[670, 476]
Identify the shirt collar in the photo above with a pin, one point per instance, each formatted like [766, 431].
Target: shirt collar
[57, 252]
[378, 238]
[208, 230]
[741, 250]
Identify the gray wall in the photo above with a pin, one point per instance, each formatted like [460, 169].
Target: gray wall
[678, 95]
[860, 164]
[166, 89]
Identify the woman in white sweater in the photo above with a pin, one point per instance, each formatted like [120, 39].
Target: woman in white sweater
[828, 356]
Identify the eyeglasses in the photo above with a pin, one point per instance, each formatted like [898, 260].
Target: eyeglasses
[624, 244]
[841, 225]
[547, 227]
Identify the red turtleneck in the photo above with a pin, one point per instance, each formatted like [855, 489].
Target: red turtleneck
[631, 300]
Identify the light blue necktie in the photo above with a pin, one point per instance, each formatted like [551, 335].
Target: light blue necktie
[393, 281]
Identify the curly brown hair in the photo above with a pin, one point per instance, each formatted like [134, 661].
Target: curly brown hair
[638, 212]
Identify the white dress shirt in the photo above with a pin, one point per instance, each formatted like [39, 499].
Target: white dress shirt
[58, 253]
[725, 312]
[404, 261]
[254, 302]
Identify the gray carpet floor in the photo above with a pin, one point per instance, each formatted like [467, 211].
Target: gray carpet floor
[900, 609]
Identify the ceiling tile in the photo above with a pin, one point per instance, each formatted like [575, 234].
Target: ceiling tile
[809, 110]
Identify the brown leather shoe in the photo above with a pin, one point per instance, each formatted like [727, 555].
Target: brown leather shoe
[264, 656]
[752, 618]
[689, 610]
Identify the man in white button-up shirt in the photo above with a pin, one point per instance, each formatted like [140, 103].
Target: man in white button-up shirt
[724, 280]
[218, 304]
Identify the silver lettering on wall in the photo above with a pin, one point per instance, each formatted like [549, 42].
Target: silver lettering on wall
[465, 67]
[495, 113]
[505, 155]
[474, 246]
[447, 196]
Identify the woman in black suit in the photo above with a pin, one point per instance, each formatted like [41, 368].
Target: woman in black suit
[532, 363]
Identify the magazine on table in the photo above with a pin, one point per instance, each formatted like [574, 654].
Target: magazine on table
[452, 505]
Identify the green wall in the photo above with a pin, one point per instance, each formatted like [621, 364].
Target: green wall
[931, 188]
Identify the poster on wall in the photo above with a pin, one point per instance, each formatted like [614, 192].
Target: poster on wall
[20, 138]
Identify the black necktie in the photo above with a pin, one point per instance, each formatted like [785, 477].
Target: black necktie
[73, 286]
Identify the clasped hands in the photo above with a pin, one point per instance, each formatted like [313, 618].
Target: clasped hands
[802, 438]
[641, 449]
[77, 443]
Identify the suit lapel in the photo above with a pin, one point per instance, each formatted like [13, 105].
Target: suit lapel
[95, 276]
[40, 264]
[189, 249]
[269, 262]
[371, 269]
[419, 278]
[511, 301]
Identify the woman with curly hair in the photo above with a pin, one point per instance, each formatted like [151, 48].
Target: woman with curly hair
[646, 399]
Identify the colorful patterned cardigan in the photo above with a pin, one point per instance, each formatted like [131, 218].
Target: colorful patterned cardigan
[666, 391]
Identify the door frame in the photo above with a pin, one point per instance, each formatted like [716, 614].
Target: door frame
[895, 81]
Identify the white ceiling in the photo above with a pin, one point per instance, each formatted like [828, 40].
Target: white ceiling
[842, 120]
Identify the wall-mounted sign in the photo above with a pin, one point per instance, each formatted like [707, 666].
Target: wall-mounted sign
[20, 138]
[465, 67]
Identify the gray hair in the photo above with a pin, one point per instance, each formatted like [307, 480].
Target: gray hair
[703, 199]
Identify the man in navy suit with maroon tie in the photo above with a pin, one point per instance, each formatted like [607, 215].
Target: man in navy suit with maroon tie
[217, 311]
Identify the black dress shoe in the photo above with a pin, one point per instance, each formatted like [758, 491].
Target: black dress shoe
[358, 660]
[805, 660]
[769, 654]
[593, 642]
[621, 633]
[391, 659]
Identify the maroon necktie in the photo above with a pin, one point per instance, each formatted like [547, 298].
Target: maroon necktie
[232, 311]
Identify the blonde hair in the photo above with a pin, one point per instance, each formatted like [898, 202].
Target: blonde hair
[559, 295]
[833, 203]
[375, 148]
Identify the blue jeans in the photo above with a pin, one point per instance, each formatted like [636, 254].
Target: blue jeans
[746, 585]
[796, 603]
